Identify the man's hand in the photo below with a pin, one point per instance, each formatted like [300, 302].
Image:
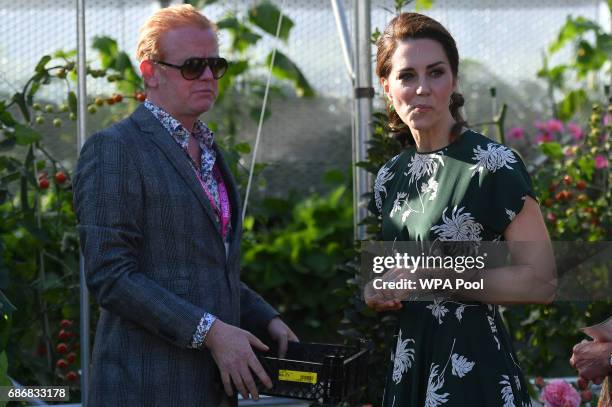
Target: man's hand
[592, 360]
[231, 349]
[281, 333]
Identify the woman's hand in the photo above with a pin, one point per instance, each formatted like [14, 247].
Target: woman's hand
[379, 297]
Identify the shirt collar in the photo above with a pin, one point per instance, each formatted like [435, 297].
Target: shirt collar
[200, 131]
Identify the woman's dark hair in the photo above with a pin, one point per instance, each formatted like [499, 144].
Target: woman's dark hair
[415, 26]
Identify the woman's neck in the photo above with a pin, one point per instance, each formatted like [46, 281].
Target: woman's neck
[433, 138]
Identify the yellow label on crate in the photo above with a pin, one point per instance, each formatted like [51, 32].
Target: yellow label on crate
[295, 376]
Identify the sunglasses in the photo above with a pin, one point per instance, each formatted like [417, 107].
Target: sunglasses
[194, 67]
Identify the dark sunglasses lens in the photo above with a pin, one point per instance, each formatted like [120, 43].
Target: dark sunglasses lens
[218, 66]
[193, 68]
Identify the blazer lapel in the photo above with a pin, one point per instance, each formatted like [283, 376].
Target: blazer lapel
[159, 135]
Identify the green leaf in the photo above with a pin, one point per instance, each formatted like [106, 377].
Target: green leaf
[40, 66]
[587, 166]
[242, 36]
[25, 135]
[604, 43]
[552, 150]
[6, 118]
[266, 16]
[423, 4]
[60, 53]
[72, 102]
[243, 148]
[108, 49]
[20, 100]
[571, 103]
[572, 29]
[123, 62]
[234, 69]
[284, 68]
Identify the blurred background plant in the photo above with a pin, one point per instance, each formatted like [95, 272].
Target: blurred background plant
[298, 249]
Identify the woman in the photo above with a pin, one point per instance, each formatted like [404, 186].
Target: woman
[451, 183]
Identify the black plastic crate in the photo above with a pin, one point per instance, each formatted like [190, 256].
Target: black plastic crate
[320, 372]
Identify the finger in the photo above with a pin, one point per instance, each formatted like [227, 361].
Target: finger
[237, 380]
[258, 369]
[247, 379]
[282, 345]
[255, 342]
[227, 385]
[292, 337]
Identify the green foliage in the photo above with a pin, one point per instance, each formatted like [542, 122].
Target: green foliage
[292, 253]
[266, 16]
[284, 68]
[574, 197]
[39, 252]
[588, 60]
[119, 63]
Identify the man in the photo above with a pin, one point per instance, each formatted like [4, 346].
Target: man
[160, 228]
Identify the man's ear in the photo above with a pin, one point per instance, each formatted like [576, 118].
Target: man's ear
[148, 73]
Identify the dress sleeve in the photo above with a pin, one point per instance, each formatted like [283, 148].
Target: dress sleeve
[510, 186]
[381, 186]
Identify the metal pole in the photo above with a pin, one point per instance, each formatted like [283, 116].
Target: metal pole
[363, 106]
[343, 34]
[81, 136]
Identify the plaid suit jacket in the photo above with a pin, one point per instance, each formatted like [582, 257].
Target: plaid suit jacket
[155, 262]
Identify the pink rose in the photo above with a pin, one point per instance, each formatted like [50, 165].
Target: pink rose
[540, 125]
[544, 138]
[516, 133]
[575, 131]
[554, 126]
[601, 161]
[559, 393]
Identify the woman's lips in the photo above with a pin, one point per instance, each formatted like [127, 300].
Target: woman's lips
[422, 108]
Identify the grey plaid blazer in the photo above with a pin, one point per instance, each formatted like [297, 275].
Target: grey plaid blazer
[155, 262]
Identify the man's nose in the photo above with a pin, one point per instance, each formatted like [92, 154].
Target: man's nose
[207, 74]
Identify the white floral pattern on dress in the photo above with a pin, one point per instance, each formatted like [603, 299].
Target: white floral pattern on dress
[506, 392]
[494, 331]
[493, 158]
[382, 178]
[511, 214]
[438, 310]
[433, 399]
[407, 213]
[459, 312]
[404, 356]
[459, 226]
[430, 187]
[423, 164]
[461, 366]
[399, 201]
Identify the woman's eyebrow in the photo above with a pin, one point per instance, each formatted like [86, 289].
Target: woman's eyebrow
[428, 66]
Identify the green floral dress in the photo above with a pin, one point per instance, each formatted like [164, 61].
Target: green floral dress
[450, 353]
